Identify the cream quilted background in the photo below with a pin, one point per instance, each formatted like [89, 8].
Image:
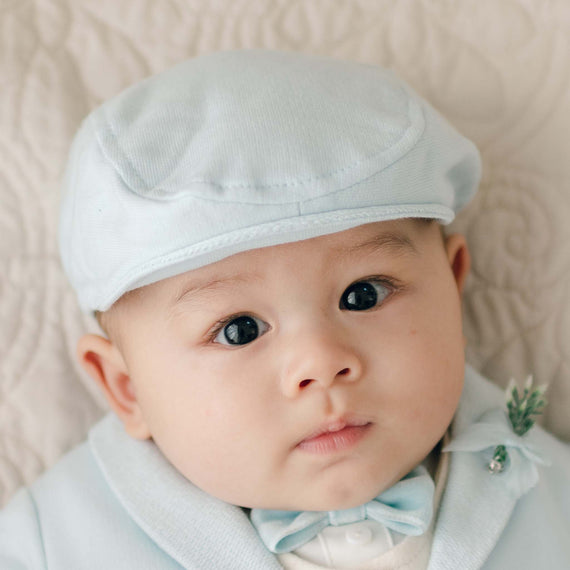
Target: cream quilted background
[499, 69]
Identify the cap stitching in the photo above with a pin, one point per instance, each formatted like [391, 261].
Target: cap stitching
[413, 210]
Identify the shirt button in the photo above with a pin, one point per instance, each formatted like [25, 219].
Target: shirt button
[358, 536]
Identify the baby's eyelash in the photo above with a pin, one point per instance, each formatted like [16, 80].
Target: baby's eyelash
[219, 325]
[389, 282]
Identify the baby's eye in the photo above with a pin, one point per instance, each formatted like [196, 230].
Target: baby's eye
[364, 295]
[241, 330]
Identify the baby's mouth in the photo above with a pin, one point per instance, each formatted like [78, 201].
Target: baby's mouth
[335, 436]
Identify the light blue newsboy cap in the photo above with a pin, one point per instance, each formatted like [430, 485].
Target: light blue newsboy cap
[237, 150]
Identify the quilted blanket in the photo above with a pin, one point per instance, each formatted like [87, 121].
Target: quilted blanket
[498, 69]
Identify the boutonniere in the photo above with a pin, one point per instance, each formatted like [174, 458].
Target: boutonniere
[522, 410]
[501, 437]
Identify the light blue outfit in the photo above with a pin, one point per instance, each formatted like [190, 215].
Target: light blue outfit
[116, 503]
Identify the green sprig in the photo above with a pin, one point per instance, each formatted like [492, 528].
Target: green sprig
[523, 407]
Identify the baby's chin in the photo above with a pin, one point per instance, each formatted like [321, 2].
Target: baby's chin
[342, 494]
[336, 499]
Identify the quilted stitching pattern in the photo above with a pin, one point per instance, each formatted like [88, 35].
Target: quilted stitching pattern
[499, 69]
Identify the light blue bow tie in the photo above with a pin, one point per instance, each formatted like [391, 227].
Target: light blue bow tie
[406, 507]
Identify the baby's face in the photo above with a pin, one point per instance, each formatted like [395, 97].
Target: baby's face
[309, 375]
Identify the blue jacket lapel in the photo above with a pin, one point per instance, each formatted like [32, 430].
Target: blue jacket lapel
[476, 505]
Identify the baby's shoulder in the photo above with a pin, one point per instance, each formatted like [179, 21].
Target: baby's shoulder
[71, 518]
[35, 513]
[21, 544]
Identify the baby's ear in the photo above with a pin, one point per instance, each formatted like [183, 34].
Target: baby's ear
[103, 361]
[459, 258]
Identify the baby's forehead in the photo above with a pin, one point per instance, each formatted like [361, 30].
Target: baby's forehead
[394, 239]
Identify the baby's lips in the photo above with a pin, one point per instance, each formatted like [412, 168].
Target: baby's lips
[335, 425]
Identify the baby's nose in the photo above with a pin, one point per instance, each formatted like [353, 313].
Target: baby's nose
[320, 360]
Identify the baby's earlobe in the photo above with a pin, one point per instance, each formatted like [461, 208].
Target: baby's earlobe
[103, 361]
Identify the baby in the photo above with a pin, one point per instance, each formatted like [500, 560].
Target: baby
[259, 235]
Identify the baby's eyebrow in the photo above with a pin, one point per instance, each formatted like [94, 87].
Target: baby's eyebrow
[193, 290]
[391, 243]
